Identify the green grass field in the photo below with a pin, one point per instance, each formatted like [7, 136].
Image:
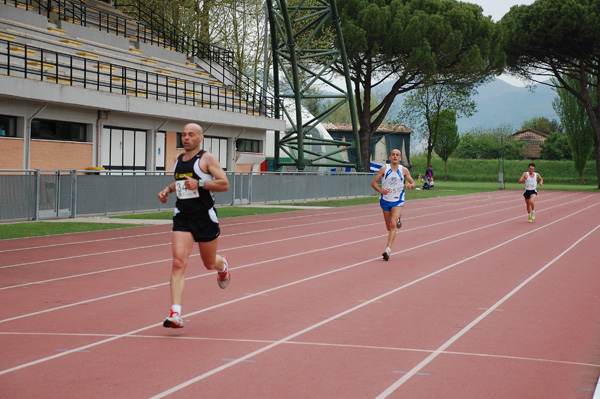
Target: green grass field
[442, 189]
[37, 229]
[486, 170]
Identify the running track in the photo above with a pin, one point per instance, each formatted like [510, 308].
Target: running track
[474, 303]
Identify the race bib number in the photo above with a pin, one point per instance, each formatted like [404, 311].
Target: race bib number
[394, 192]
[530, 186]
[183, 192]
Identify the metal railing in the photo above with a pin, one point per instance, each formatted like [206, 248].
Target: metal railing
[106, 20]
[30, 62]
[50, 194]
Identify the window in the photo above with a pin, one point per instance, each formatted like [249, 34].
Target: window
[57, 130]
[123, 149]
[218, 147]
[8, 126]
[245, 145]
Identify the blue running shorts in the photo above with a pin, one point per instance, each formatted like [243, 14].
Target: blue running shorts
[387, 205]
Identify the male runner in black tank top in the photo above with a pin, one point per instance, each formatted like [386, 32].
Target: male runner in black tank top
[197, 175]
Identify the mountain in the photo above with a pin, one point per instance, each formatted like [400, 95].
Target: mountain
[501, 103]
[498, 103]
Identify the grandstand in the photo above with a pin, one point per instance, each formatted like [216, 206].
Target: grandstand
[84, 85]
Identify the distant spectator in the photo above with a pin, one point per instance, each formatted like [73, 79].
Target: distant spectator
[429, 173]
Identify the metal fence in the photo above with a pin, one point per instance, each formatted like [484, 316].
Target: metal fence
[50, 194]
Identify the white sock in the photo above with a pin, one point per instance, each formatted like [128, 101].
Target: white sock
[388, 250]
[176, 308]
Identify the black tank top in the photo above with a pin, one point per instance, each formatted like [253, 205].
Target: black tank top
[189, 201]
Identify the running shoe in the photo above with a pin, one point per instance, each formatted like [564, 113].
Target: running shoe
[530, 219]
[399, 223]
[386, 255]
[223, 278]
[532, 215]
[173, 321]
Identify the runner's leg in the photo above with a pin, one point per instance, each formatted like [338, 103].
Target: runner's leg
[391, 224]
[208, 253]
[183, 243]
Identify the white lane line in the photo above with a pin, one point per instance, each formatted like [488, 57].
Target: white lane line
[61, 244]
[419, 367]
[597, 390]
[299, 343]
[45, 261]
[31, 283]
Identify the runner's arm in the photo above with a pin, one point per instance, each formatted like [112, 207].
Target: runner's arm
[220, 183]
[378, 177]
[162, 195]
[411, 183]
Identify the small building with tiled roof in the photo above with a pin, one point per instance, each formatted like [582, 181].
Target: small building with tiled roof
[533, 140]
[385, 139]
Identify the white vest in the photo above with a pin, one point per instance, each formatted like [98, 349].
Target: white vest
[531, 182]
[394, 181]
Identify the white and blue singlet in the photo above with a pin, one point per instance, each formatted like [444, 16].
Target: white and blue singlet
[394, 182]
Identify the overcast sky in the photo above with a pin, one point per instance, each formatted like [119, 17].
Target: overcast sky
[496, 9]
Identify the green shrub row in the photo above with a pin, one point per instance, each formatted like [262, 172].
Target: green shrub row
[487, 170]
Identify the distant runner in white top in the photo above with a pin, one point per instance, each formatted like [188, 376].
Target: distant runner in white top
[392, 176]
[530, 178]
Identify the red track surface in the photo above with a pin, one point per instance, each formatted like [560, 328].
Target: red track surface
[474, 303]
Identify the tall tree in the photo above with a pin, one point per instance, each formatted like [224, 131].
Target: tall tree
[447, 138]
[244, 35]
[424, 106]
[202, 11]
[413, 43]
[577, 127]
[542, 124]
[556, 147]
[559, 39]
